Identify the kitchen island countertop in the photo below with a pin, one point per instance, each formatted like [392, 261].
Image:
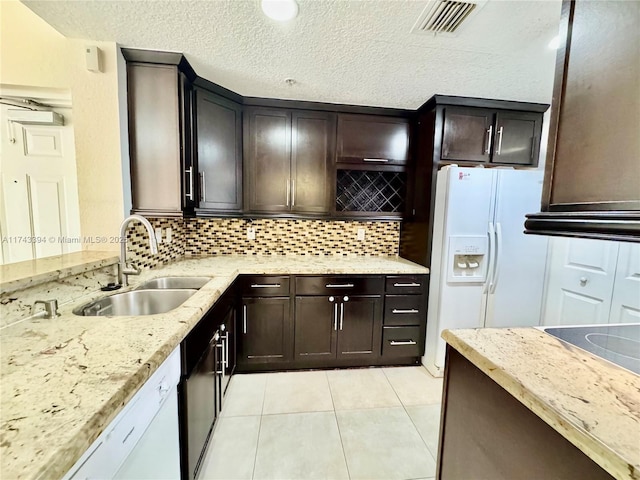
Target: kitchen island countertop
[592, 403]
[64, 379]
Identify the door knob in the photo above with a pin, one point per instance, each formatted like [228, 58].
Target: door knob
[583, 281]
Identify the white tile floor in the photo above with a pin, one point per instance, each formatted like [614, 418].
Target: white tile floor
[373, 423]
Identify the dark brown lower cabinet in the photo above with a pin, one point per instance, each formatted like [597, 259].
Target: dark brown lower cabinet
[328, 321]
[337, 327]
[486, 433]
[315, 337]
[359, 327]
[264, 330]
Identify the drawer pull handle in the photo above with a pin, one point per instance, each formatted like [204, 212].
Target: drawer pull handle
[339, 285]
[403, 342]
[381, 160]
[411, 310]
[265, 285]
[406, 285]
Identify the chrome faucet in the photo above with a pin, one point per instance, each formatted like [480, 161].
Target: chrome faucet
[125, 269]
[50, 308]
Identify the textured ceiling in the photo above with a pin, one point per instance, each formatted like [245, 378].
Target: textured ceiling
[346, 51]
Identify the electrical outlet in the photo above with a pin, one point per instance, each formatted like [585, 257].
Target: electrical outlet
[251, 233]
[361, 234]
[167, 235]
[159, 235]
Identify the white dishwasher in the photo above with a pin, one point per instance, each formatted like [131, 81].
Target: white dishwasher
[142, 442]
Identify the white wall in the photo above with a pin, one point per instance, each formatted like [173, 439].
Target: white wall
[33, 54]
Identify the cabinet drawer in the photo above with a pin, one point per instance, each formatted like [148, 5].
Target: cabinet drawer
[372, 140]
[401, 342]
[406, 283]
[265, 286]
[338, 285]
[404, 310]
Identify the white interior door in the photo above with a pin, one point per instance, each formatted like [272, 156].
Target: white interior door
[580, 282]
[625, 304]
[39, 189]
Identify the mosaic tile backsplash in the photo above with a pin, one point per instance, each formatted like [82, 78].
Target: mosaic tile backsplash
[203, 236]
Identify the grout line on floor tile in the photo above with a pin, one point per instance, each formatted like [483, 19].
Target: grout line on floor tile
[264, 395]
[335, 416]
[433, 455]
[255, 458]
[410, 418]
[392, 388]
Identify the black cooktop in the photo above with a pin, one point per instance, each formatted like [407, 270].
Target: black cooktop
[619, 344]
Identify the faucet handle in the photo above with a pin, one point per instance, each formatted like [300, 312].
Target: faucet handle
[50, 307]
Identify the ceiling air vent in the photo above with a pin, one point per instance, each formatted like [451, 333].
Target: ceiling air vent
[445, 16]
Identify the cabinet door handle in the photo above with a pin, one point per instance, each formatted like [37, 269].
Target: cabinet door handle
[339, 285]
[265, 285]
[489, 139]
[288, 191]
[221, 363]
[533, 143]
[224, 355]
[411, 310]
[203, 188]
[189, 171]
[395, 343]
[335, 317]
[500, 140]
[341, 315]
[226, 351]
[406, 284]
[244, 319]
[293, 192]
[380, 160]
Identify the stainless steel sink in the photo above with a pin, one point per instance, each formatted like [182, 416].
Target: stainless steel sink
[174, 282]
[137, 302]
[619, 344]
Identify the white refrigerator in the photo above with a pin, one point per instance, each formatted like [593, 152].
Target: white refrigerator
[485, 272]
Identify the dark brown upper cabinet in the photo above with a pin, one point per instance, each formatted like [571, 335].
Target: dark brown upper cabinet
[467, 134]
[288, 159]
[466, 131]
[491, 136]
[160, 133]
[372, 140]
[592, 172]
[218, 150]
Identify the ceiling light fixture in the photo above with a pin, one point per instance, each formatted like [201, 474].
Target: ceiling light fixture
[280, 10]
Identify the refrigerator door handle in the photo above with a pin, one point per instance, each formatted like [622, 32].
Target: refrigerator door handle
[492, 255]
[496, 268]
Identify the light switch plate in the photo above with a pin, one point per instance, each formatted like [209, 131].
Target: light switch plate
[251, 233]
[361, 234]
[167, 235]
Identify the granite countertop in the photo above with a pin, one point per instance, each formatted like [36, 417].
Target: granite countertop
[15, 276]
[591, 402]
[64, 379]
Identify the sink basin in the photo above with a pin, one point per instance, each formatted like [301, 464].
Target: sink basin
[174, 282]
[137, 302]
[619, 344]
